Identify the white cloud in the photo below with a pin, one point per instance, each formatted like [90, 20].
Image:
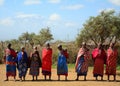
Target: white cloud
[7, 22]
[54, 20]
[32, 2]
[73, 7]
[28, 16]
[54, 1]
[70, 24]
[54, 17]
[1, 2]
[106, 10]
[115, 2]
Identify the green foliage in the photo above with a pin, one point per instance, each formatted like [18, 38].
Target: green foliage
[27, 38]
[73, 51]
[102, 28]
[33, 39]
[71, 48]
[118, 67]
[70, 66]
[1, 51]
[118, 58]
[43, 36]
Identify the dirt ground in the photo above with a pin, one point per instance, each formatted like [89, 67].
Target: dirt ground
[71, 80]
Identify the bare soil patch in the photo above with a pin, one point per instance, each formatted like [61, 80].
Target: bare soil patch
[71, 80]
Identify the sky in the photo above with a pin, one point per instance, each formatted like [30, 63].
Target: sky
[64, 17]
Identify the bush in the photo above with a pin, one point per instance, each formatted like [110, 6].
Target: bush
[1, 56]
[118, 59]
[70, 46]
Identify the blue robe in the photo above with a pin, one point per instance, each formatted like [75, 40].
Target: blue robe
[62, 68]
[10, 66]
[22, 63]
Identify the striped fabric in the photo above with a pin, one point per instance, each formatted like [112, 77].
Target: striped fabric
[111, 62]
[82, 62]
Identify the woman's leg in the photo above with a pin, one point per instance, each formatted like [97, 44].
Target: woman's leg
[21, 78]
[6, 78]
[32, 78]
[45, 77]
[14, 78]
[49, 77]
[77, 78]
[108, 77]
[96, 78]
[101, 78]
[36, 77]
[24, 78]
[58, 77]
[65, 77]
[114, 77]
[85, 78]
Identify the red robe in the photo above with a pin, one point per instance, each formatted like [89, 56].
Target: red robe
[111, 61]
[46, 59]
[9, 52]
[65, 53]
[99, 57]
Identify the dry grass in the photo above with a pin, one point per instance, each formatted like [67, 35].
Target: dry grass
[71, 80]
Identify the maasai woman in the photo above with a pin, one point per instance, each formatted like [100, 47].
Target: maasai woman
[111, 61]
[81, 65]
[22, 60]
[47, 61]
[62, 68]
[9, 60]
[35, 63]
[99, 57]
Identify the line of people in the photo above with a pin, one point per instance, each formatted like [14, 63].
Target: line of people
[100, 58]
[22, 62]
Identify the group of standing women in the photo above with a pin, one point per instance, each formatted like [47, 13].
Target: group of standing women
[100, 57]
[22, 62]
[13, 60]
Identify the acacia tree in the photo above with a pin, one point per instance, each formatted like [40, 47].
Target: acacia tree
[15, 44]
[27, 38]
[24, 38]
[102, 28]
[43, 36]
[31, 39]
